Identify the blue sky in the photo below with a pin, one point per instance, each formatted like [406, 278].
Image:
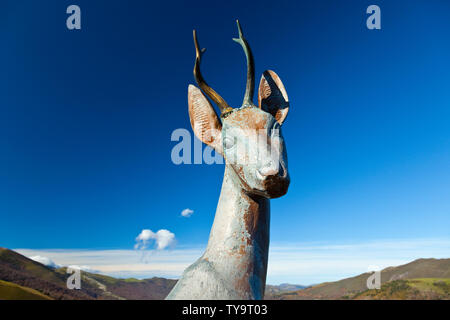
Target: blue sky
[86, 119]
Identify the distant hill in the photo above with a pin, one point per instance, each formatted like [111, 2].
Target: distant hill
[411, 278]
[125, 289]
[23, 278]
[272, 290]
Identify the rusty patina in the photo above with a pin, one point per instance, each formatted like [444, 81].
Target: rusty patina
[234, 264]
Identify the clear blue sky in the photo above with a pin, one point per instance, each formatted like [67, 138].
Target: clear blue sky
[86, 118]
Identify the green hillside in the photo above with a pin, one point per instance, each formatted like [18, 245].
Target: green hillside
[413, 289]
[12, 291]
[31, 276]
[350, 287]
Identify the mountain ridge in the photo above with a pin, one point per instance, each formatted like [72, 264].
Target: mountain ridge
[350, 287]
[24, 278]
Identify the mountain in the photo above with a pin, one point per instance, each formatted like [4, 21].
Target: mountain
[273, 290]
[23, 278]
[125, 289]
[26, 273]
[421, 279]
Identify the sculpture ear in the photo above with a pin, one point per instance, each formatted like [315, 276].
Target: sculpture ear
[204, 120]
[272, 96]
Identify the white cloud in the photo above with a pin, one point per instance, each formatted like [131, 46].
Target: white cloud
[83, 268]
[163, 239]
[50, 263]
[124, 263]
[301, 263]
[45, 261]
[145, 235]
[187, 212]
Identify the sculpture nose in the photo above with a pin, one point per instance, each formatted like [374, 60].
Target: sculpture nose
[270, 169]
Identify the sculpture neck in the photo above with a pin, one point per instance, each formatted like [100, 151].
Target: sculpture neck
[239, 240]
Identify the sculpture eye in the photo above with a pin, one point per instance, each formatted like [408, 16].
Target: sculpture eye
[228, 142]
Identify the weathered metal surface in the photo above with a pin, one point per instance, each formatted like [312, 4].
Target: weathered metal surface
[250, 86]
[271, 88]
[234, 265]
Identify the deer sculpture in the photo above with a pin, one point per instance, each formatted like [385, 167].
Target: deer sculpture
[234, 265]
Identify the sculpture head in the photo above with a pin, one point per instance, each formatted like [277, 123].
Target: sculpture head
[249, 138]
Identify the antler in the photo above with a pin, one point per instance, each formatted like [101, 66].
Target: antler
[221, 103]
[250, 87]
